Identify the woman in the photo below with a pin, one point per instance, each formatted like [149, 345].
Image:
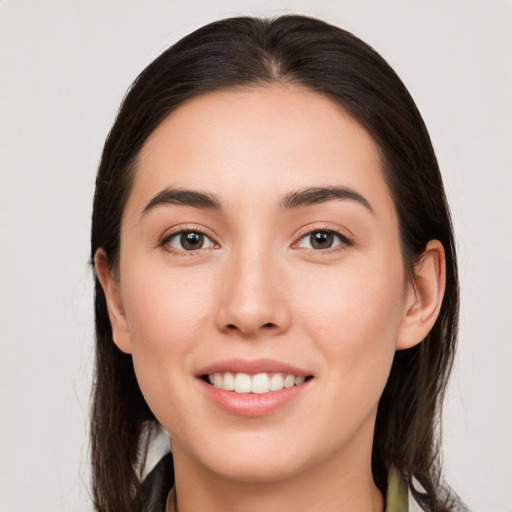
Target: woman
[276, 280]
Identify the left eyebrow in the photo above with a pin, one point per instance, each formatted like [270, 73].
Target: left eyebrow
[183, 197]
[315, 195]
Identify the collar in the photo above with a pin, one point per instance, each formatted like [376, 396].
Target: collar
[397, 499]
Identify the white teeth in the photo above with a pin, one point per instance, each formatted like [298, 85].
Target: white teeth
[276, 382]
[229, 381]
[242, 383]
[217, 380]
[289, 381]
[260, 383]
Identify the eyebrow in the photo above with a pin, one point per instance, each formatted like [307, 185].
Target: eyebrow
[184, 197]
[315, 195]
[296, 199]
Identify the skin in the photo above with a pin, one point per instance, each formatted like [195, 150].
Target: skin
[258, 291]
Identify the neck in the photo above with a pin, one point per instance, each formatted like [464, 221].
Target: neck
[332, 486]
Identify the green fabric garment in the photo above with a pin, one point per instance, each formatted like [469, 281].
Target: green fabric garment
[397, 496]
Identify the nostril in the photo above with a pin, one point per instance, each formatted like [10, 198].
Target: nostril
[267, 325]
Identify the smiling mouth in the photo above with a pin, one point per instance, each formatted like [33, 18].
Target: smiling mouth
[259, 383]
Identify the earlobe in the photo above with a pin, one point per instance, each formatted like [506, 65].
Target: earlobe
[115, 307]
[424, 297]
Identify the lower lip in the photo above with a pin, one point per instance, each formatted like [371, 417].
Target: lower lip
[253, 404]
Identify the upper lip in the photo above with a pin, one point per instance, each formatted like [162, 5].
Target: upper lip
[252, 367]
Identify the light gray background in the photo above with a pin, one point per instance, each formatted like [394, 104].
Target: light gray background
[65, 66]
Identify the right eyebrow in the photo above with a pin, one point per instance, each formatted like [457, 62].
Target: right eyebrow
[183, 197]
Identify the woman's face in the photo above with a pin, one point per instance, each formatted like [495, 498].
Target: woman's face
[260, 244]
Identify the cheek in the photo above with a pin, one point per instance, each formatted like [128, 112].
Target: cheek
[168, 314]
[354, 314]
[168, 318]
[165, 309]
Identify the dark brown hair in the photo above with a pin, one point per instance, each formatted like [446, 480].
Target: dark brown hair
[242, 52]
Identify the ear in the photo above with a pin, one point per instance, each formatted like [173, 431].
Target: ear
[111, 289]
[424, 297]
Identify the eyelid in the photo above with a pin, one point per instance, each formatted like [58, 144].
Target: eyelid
[180, 228]
[346, 237]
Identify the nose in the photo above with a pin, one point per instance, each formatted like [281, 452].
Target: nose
[253, 301]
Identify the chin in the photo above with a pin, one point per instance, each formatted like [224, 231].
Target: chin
[258, 469]
[254, 458]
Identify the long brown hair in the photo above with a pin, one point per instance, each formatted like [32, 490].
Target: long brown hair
[308, 52]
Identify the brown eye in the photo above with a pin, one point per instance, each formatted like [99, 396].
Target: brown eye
[189, 241]
[322, 240]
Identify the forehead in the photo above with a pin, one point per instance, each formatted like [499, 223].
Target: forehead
[255, 143]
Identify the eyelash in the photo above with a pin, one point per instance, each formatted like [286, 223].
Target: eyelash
[344, 240]
[178, 232]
